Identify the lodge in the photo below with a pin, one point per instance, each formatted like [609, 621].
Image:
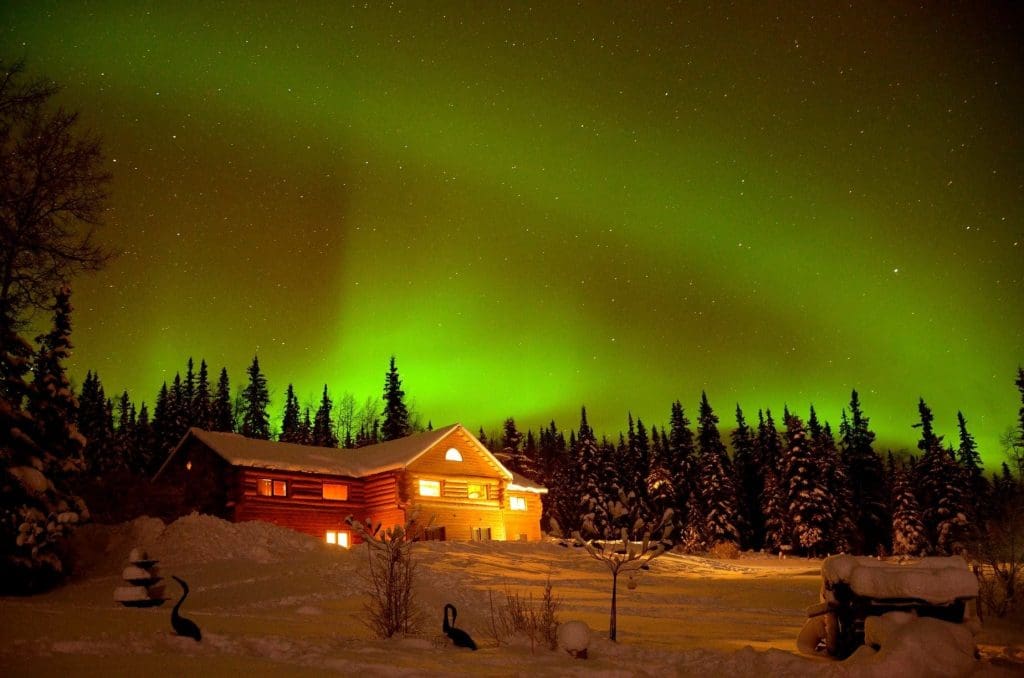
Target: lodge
[446, 478]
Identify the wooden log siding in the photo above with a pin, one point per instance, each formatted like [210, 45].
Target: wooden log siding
[303, 509]
[382, 501]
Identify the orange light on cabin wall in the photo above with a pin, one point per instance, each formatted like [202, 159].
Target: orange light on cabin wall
[340, 538]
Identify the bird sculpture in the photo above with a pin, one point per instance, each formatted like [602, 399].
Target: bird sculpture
[182, 625]
[458, 636]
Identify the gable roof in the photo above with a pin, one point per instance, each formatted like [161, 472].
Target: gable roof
[238, 450]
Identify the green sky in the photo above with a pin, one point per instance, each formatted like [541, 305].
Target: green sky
[535, 208]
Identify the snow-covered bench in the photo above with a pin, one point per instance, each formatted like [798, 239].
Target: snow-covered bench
[855, 588]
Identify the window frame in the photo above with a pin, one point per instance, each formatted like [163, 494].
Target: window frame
[425, 482]
[517, 502]
[343, 490]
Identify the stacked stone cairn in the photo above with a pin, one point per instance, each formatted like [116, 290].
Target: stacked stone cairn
[142, 587]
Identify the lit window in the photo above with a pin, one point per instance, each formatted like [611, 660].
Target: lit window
[430, 488]
[264, 487]
[474, 491]
[338, 538]
[188, 466]
[452, 455]
[280, 488]
[517, 503]
[335, 491]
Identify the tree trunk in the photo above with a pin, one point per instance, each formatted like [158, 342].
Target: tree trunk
[611, 623]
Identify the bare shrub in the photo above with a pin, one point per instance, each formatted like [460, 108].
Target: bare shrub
[519, 614]
[724, 550]
[389, 581]
[999, 557]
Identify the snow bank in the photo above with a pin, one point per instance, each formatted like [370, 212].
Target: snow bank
[938, 581]
[913, 647]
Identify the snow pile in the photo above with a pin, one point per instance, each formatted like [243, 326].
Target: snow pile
[912, 647]
[574, 637]
[938, 581]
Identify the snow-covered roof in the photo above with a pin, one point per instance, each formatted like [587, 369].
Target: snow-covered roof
[523, 484]
[238, 450]
[938, 581]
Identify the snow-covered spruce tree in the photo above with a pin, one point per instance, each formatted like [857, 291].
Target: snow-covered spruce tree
[660, 490]
[824, 450]
[681, 464]
[939, 481]
[866, 473]
[591, 468]
[636, 547]
[255, 399]
[222, 415]
[396, 414]
[513, 451]
[749, 482]
[778, 530]
[811, 508]
[39, 452]
[908, 533]
[715, 487]
[290, 420]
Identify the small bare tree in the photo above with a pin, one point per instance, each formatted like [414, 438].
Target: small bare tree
[539, 622]
[628, 556]
[392, 570]
[1000, 552]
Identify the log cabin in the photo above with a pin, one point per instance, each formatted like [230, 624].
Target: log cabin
[454, 486]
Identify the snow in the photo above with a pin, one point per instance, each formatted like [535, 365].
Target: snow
[272, 601]
[938, 581]
[573, 636]
[913, 646]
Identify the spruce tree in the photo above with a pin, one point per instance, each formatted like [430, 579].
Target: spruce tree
[749, 482]
[811, 507]
[823, 443]
[37, 458]
[592, 479]
[255, 399]
[161, 419]
[201, 406]
[778, 530]
[222, 415]
[867, 481]
[908, 532]
[305, 436]
[681, 457]
[976, 486]
[145, 460]
[323, 431]
[290, 420]
[939, 481]
[396, 415]
[716, 489]
[51, 402]
[188, 395]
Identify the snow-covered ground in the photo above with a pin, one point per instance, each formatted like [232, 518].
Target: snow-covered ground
[271, 601]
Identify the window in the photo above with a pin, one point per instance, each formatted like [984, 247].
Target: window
[475, 491]
[335, 491]
[517, 503]
[481, 533]
[452, 455]
[265, 487]
[430, 488]
[340, 538]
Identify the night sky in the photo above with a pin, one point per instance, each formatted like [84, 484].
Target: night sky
[539, 207]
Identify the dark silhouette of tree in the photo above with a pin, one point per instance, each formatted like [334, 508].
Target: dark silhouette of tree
[290, 420]
[749, 482]
[976, 487]
[255, 400]
[188, 395]
[53, 195]
[867, 480]
[396, 415]
[222, 415]
[682, 464]
[201, 406]
[323, 431]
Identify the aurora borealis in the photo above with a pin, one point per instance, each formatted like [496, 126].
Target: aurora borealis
[538, 207]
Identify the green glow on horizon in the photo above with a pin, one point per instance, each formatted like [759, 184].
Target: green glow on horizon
[531, 222]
